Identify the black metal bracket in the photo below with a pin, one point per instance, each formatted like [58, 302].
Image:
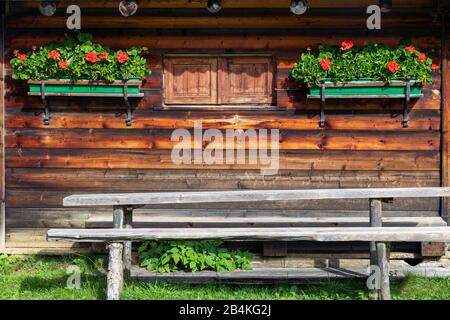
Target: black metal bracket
[406, 104]
[129, 118]
[322, 105]
[44, 99]
[46, 103]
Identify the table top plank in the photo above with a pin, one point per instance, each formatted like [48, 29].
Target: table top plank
[249, 196]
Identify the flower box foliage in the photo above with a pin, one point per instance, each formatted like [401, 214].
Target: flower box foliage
[346, 63]
[79, 58]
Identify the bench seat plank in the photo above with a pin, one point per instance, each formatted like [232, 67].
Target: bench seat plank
[389, 234]
[249, 196]
[150, 220]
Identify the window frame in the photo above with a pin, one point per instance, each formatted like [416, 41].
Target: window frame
[222, 107]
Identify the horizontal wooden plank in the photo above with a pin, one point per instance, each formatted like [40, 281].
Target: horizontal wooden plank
[255, 276]
[45, 188]
[267, 42]
[250, 196]
[155, 180]
[47, 218]
[218, 21]
[360, 234]
[161, 159]
[161, 139]
[57, 251]
[281, 275]
[36, 238]
[236, 4]
[277, 275]
[102, 218]
[50, 198]
[17, 103]
[226, 221]
[419, 120]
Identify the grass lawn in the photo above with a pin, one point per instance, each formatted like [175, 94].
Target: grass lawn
[45, 278]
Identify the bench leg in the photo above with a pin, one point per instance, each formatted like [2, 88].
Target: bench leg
[115, 271]
[123, 218]
[375, 210]
[127, 246]
[383, 263]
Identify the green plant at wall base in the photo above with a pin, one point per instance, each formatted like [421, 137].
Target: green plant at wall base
[167, 256]
[374, 61]
[8, 263]
[79, 58]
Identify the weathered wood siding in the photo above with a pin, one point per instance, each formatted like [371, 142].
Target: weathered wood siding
[2, 87]
[88, 148]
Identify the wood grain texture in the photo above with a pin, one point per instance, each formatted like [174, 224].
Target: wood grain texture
[376, 121]
[115, 272]
[24, 40]
[165, 180]
[161, 159]
[161, 139]
[245, 80]
[391, 234]
[250, 196]
[87, 148]
[383, 263]
[191, 80]
[53, 199]
[276, 275]
[237, 4]
[445, 117]
[2, 133]
[225, 221]
[227, 22]
[100, 217]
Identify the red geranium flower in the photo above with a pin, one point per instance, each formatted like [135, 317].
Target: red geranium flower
[410, 48]
[91, 57]
[422, 57]
[346, 45]
[435, 67]
[326, 64]
[392, 66]
[103, 55]
[16, 52]
[63, 64]
[122, 56]
[22, 57]
[54, 54]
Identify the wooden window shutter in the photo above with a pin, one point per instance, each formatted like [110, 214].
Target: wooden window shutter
[245, 80]
[190, 80]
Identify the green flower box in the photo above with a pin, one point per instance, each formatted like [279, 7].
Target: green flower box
[66, 87]
[367, 88]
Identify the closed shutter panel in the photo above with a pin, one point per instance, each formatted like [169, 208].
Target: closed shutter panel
[245, 80]
[190, 80]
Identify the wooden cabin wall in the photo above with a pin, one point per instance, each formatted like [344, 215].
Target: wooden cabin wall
[2, 163]
[88, 148]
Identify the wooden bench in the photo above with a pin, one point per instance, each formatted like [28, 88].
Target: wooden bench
[122, 234]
